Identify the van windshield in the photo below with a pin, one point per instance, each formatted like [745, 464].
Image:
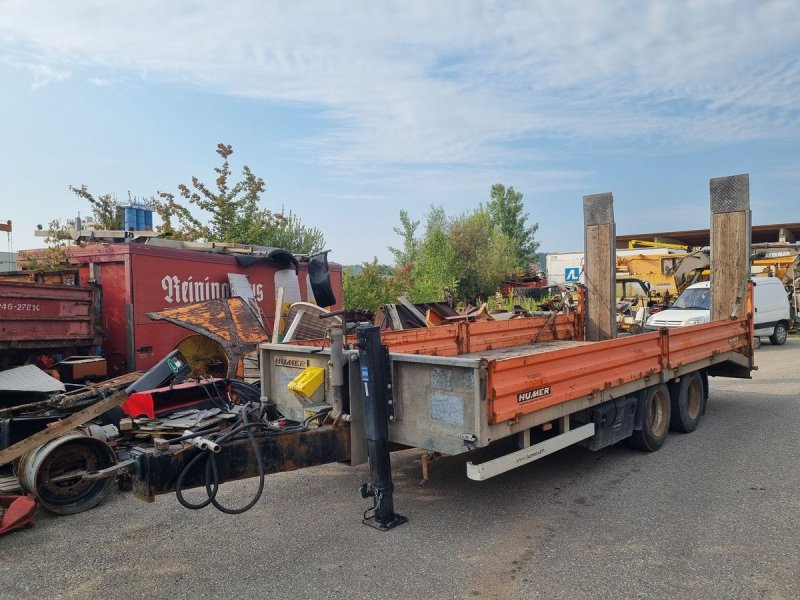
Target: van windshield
[694, 299]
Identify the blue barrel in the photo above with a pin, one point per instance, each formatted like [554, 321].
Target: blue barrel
[139, 219]
[148, 220]
[129, 218]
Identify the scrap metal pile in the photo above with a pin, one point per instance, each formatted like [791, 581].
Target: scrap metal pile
[407, 315]
[68, 449]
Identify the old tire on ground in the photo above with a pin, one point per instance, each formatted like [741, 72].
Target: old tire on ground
[778, 338]
[655, 420]
[688, 403]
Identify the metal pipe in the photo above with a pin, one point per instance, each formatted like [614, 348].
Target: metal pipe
[337, 368]
[376, 380]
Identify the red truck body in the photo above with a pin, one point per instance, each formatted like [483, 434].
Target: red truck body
[138, 278]
[46, 317]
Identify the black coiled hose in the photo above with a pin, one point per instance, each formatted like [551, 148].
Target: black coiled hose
[212, 471]
[251, 395]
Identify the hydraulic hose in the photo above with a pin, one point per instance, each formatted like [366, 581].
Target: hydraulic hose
[212, 482]
[212, 471]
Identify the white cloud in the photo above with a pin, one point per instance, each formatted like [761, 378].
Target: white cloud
[42, 75]
[456, 83]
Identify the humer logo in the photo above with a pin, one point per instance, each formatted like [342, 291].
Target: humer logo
[182, 291]
[533, 394]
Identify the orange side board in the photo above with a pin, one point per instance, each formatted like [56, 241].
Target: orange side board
[522, 385]
[466, 338]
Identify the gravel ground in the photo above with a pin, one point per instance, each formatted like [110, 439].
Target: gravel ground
[713, 514]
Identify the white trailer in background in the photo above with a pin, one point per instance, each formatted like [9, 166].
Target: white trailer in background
[567, 267]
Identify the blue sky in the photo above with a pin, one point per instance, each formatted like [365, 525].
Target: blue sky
[353, 110]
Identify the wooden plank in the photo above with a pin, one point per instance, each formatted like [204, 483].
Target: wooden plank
[600, 266]
[56, 429]
[276, 328]
[599, 257]
[730, 245]
[730, 239]
[394, 317]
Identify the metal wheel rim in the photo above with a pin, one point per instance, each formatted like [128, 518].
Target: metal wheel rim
[694, 398]
[780, 334]
[658, 413]
[72, 495]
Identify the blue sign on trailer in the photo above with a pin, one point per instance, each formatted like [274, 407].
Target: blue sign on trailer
[572, 274]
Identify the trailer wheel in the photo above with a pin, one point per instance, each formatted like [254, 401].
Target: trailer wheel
[655, 420]
[688, 404]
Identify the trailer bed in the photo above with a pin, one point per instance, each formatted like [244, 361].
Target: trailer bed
[480, 382]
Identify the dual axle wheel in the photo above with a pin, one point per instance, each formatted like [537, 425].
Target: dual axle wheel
[679, 409]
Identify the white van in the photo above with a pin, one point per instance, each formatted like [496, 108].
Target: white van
[693, 306]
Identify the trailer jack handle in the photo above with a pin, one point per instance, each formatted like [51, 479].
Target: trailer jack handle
[376, 381]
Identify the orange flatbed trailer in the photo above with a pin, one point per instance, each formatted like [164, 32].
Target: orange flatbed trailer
[465, 385]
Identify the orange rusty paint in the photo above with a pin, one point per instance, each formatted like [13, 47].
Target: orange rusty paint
[229, 321]
[523, 385]
[460, 338]
[465, 338]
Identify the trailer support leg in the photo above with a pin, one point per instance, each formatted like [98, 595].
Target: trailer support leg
[376, 380]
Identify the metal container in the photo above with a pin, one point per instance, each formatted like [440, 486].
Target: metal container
[140, 219]
[129, 218]
[39, 316]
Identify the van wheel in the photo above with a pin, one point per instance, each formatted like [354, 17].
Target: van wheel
[687, 404]
[655, 420]
[779, 337]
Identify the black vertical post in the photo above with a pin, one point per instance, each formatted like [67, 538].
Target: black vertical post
[375, 379]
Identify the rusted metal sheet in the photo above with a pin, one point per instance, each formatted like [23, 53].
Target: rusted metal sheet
[43, 316]
[228, 321]
[434, 341]
[465, 338]
[494, 335]
[157, 472]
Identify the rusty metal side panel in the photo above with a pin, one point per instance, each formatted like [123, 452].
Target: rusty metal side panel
[494, 335]
[698, 342]
[434, 341]
[38, 315]
[464, 338]
[518, 386]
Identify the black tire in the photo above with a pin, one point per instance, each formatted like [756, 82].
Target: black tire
[655, 420]
[778, 338]
[688, 403]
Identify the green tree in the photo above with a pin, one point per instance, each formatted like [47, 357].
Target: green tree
[55, 256]
[407, 230]
[507, 213]
[234, 213]
[105, 209]
[437, 265]
[370, 288]
[485, 255]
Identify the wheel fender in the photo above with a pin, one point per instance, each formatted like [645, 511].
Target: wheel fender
[641, 396]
